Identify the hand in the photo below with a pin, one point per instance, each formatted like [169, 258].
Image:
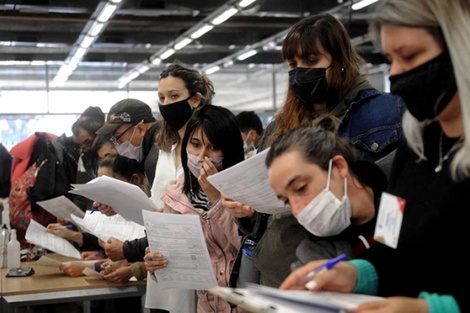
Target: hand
[154, 261]
[207, 169]
[113, 248]
[119, 275]
[73, 269]
[92, 255]
[342, 277]
[395, 305]
[60, 230]
[103, 208]
[237, 209]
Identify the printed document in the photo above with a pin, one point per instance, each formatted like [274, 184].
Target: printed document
[103, 226]
[247, 182]
[263, 299]
[61, 207]
[181, 241]
[38, 235]
[126, 199]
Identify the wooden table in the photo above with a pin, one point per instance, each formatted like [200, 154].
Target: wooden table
[50, 285]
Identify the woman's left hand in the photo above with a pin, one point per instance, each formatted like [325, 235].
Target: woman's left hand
[207, 169]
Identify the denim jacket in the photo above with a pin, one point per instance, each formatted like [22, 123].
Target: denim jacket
[372, 123]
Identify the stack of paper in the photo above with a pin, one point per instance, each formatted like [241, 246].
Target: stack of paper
[126, 199]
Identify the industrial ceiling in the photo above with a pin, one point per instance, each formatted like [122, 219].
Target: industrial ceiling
[40, 38]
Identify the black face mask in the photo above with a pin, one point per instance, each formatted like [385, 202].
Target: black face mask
[309, 84]
[426, 89]
[176, 114]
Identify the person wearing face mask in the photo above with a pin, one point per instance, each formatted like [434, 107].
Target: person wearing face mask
[332, 193]
[180, 90]
[426, 44]
[251, 128]
[212, 142]
[324, 77]
[132, 127]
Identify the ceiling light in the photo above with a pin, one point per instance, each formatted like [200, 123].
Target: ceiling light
[362, 4]
[167, 54]
[212, 70]
[201, 31]
[156, 61]
[106, 13]
[79, 53]
[245, 3]
[87, 42]
[95, 29]
[224, 16]
[183, 43]
[144, 67]
[246, 55]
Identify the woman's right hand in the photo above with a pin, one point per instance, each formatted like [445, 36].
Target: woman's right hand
[103, 208]
[342, 277]
[237, 209]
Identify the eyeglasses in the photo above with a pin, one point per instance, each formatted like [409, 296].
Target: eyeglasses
[115, 140]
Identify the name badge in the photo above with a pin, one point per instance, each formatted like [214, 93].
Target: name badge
[389, 219]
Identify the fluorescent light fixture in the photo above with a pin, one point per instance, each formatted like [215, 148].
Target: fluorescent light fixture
[87, 42]
[228, 63]
[156, 61]
[79, 53]
[133, 75]
[183, 43]
[201, 31]
[122, 82]
[167, 54]
[106, 13]
[95, 29]
[213, 70]
[115, 1]
[143, 68]
[224, 16]
[362, 4]
[245, 3]
[246, 55]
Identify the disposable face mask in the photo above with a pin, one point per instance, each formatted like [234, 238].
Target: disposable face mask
[426, 89]
[128, 150]
[248, 148]
[176, 114]
[195, 164]
[326, 215]
[309, 84]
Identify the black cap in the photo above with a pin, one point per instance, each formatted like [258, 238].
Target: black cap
[126, 111]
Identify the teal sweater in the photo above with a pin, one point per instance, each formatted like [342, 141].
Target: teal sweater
[367, 284]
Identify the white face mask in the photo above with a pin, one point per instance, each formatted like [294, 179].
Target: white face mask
[249, 149]
[127, 149]
[326, 215]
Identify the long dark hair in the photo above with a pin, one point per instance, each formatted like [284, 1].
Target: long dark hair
[221, 128]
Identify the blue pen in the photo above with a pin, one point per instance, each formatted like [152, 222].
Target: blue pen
[68, 226]
[320, 269]
[93, 209]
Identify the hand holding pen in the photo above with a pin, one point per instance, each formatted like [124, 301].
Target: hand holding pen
[308, 276]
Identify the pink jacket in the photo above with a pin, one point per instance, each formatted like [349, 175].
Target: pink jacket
[222, 241]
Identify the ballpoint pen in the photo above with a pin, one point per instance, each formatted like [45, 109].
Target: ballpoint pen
[93, 209]
[320, 269]
[68, 226]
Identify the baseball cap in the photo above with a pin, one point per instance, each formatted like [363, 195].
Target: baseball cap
[127, 111]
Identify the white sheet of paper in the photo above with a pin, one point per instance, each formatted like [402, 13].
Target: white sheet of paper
[180, 239]
[61, 207]
[103, 226]
[126, 199]
[247, 182]
[38, 235]
[324, 299]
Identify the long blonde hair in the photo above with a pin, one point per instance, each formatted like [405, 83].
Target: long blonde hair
[451, 19]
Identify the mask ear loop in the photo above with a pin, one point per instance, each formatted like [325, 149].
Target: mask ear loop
[330, 164]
